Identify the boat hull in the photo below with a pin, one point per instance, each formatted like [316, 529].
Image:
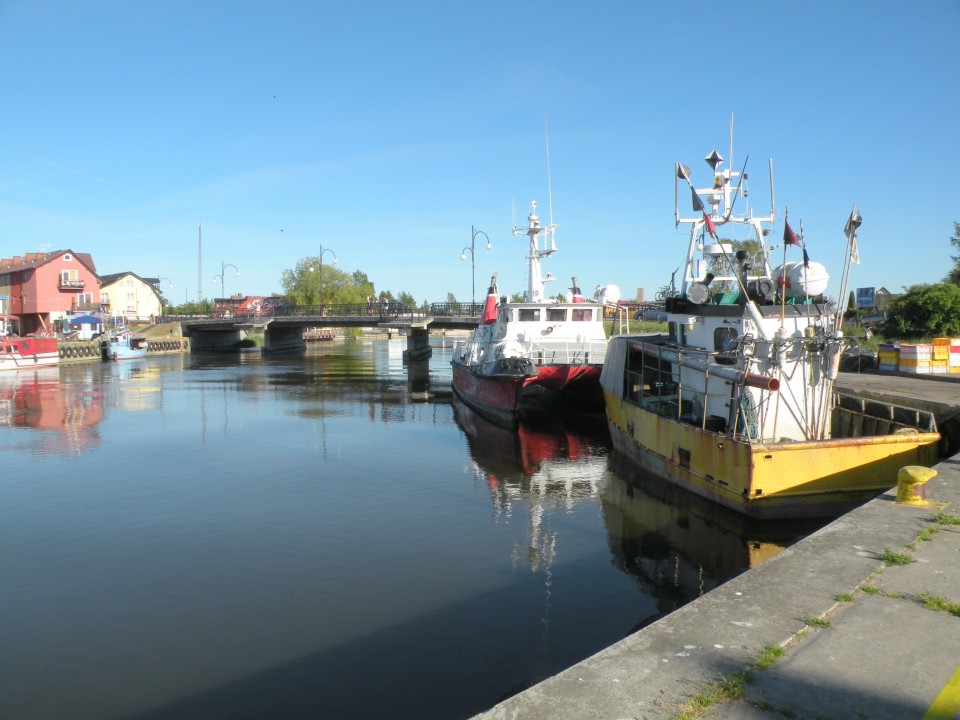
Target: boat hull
[496, 397]
[765, 480]
[572, 386]
[28, 353]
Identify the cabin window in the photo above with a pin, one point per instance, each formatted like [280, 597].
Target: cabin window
[557, 314]
[673, 331]
[585, 315]
[724, 339]
[529, 314]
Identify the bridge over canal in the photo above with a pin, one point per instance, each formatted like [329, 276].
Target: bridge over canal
[284, 327]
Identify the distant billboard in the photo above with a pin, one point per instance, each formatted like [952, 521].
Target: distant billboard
[865, 297]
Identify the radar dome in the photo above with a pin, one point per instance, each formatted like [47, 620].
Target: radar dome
[798, 280]
[607, 294]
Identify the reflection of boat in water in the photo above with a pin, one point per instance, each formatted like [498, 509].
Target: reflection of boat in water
[737, 401]
[551, 465]
[123, 346]
[534, 352]
[681, 545]
[519, 454]
[38, 400]
[19, 353]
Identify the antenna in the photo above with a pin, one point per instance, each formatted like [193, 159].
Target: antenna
[546, 136]
[731, 165]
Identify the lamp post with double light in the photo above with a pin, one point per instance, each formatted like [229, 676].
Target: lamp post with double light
[220, 277]
[320, 268]
[473, 273]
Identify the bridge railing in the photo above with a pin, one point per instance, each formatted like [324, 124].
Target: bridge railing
[377, 312]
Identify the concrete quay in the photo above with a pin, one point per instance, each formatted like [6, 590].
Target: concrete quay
[845, 628]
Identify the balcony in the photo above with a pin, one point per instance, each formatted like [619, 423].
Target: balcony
[65, 284]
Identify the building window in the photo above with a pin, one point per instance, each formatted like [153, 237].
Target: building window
[85, 298]
[68, 257]
[105, 298]
[68, 275]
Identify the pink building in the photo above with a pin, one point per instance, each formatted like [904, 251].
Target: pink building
[43, 288]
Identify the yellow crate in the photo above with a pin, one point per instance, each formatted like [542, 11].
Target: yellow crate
[941, 341]
[913, 362]
[940, 352]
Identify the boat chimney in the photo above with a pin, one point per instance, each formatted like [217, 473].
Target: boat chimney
[490, 307]
[575, 290]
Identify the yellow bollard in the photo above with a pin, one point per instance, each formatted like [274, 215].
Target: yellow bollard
[911, 482]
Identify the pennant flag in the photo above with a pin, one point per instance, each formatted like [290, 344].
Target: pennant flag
[806, 258]
[789, 236]
[711, 228]
[697, 202]
[850, 230]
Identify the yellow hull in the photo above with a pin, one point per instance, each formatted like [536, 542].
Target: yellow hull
[773, 480]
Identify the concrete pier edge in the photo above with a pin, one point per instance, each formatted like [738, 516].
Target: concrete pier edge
[880, 654]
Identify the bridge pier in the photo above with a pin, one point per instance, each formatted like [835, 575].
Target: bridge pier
[283, 338]
[418, 344]
[215, 338]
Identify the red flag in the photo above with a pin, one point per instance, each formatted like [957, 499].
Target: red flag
[789, 236]
[711, 228]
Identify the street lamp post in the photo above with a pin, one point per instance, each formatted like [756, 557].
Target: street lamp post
[463, 256]
[223, 269]
[320, 268]
[160, 280]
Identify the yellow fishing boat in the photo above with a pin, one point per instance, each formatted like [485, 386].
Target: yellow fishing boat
[736, 402]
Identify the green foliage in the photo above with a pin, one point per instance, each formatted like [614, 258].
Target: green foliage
[517, 297]
[892, 557]
[953, 276]
[768, 657]
[925, 310]
[312, 283]
[190, 308]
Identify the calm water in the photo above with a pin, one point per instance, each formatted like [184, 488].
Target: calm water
[312, 537]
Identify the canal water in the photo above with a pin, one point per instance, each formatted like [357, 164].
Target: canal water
[319, 536]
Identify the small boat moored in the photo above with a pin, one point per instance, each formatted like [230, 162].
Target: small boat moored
[535, 353]
[123, 346]
[17, 353]
[736, 402]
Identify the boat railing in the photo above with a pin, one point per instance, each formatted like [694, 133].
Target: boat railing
[590, 352]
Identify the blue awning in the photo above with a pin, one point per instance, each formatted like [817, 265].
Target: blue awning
[86, 320]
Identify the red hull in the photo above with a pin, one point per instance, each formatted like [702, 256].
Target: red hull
[579, 383]
[499, 397]
[496, 397]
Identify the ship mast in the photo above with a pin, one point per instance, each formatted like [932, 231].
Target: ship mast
[533, 230]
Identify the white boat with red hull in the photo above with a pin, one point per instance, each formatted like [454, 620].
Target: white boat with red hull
[537, 352]
[17, 353]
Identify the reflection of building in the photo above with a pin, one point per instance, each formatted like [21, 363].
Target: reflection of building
[38, 401]
[678, 544]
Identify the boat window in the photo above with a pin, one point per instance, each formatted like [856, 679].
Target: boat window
[558, 314]
[724, 339]
[529, 314]
[582, 315]
[673, 330]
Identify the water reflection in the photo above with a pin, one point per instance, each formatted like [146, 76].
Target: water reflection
[679, 545]
[551, 462]
[36, 399]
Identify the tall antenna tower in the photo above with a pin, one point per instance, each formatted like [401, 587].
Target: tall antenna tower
[200, 263]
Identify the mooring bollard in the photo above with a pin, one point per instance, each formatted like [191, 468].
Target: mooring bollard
[911, 485]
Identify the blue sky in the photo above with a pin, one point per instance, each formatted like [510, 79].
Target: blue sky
[383, 131]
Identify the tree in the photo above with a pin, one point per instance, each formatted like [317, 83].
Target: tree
[953, 277]
[312, 284]
[924, 311]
